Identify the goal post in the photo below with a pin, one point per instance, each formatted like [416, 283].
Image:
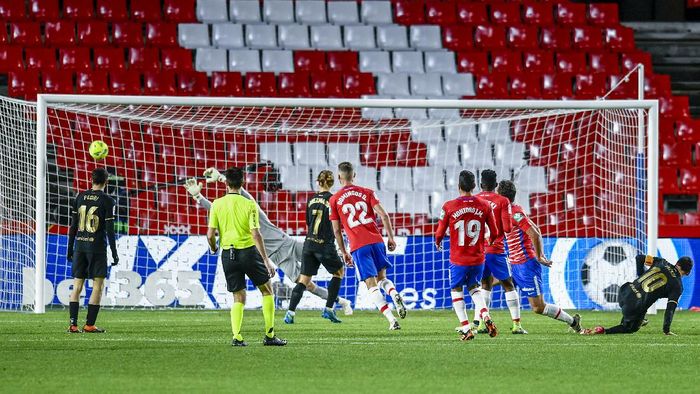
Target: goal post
[580, 171]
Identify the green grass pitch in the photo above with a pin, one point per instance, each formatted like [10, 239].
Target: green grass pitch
[189, 350]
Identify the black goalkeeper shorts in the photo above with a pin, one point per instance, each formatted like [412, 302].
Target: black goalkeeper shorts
[315, 255]
[87, 265]
[238, 263]
[633, 311]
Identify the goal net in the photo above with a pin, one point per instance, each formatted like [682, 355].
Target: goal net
[581, 171]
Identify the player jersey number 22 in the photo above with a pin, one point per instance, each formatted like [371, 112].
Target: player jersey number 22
[357, 214]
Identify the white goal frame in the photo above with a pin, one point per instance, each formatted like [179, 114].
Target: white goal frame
[43, 101]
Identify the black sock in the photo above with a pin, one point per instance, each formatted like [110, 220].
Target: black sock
[620, 329]
[333, 289]
[93, 310]
[73, 307]
[298, 291]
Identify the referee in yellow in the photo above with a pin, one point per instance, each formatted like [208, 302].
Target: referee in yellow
[243, 253]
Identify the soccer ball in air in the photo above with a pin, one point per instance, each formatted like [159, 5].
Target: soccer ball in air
[99, 150]
[607, 267]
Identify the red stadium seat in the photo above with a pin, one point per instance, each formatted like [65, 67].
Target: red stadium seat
[326, 84]
[373, 155]
[344, 61]
[688, 130]
[178, 59]
[630, 60]
[538, 61]
[668, 180]
[439, 12]
[144, 59]
[60, 33]
[505, 13]
[604, 62]
[112, 10]
[161, 34]
[525, 86]
[54, 81]
[656, 85]
[10, 59]
[571, 14]
[506, 61]
[457, 37]
[472, 62]
[145, 11]
[226, 84]
[625, 89]
[192, 83]
[127, 34]
[23, 84]
[523, 36]
[674, 107]
[604, 14]
[109, 58]
[691, 219]
[411, 154]
[293, 84]
[92, 34]
[669, 219]
[358, 84]
[489, 36]
[92, 82]
[619, 38]
[25, 34]
[309, 61]
[125, 82]
[690, 179]
[179, 11]
[409, 12]
[555, 38]
[590, 86]
[260, 84]
[159, 83]
[83, 10]
[40, 58]
[676, 155]
[74, 58]
[4, 38]
[12, 10]
[43, 9]
[538, 14]
[472, 13]
[492, 86]
[571, 62]
[276, 202]
[587, 38]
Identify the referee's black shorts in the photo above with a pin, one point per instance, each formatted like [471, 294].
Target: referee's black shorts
[314, 255]
[88, 265]
[238, 263]
[633, 311]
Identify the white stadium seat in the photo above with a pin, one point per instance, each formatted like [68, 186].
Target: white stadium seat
[261, 36]
[440, 62]
[438, 199]
[494, 131]
[359, 37]
[311, 12]
[458, 85]
[211, 11]
[377, 113]
[395, 179]
[340, 152]
[295, 178]
[411, 113]
[375, 62]
[428, 179]
[311, 153]
[244, 60]
[443, 154]
[510, 154]
[377, 13]
[477, 155]
[393, 84]
[452, 177]
[426, 85]
[392, 37]
[278, 11]
[523, 199]
[366, 176]
[422, 131]
[407, 61]
[531, 180]
[388, 201]
[280, 153]
[210, 60]
[193, 35]
[443, 113]
[413, 203]
[343, 12]
[460, 132]
[293, 36]
[425, 37]
[278, 61]
[326, 37]
[245, 11]
[227, 36]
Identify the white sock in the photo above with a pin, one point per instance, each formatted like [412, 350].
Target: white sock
[459, 306]
[479, 303]
[513, 302]
[378, 299]
[557, 313]
[388, 286]
[487, 297]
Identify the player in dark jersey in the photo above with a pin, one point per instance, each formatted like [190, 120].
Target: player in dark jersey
[91, 229]
[319, 249]
[662, 280]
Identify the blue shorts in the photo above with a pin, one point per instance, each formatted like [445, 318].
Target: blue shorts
[496, 265]
[370, 259]
[469, 275]
[528, 276]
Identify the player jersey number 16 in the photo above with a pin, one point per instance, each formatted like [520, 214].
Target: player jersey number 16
[359, 209]
[88, 221]
[472, 230]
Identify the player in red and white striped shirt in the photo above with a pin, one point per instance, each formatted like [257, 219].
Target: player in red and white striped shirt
[526, 254]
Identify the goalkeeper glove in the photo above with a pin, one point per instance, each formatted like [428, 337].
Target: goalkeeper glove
[194, 188]
[213, 175]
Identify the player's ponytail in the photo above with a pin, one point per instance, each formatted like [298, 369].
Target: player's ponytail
[325, 179]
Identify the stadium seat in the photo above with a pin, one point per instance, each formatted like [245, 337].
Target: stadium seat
[127, 34]
[376, 12]
[688, 130]
[245, 11]
[279, 153]
[571, 14]
[344, 61]
[505, 13]
[675, 107]
[477, 155]
[310, 153]
[278, 11]
[668, 180]
[538, 14]
[461, 133]
[311, 12]
[192, 83]
[13, 10]
[146, 11]
[143, 59]
[691, 219]
[23, 84]
[440, 62]
[458, 85]
[476, 63]
[372, 155]
[426, 85]
[413, 203]
[395, 179]
[293, 84]
[589, 86]
[226, 84]
[492, 86]
[74, 59]
[159, 83]
[604, 14]
[293, 36]
[494, 131]
[162, 34]
[43, 9]
[443, 153]
[506, 61]
[326, 37]
[604, 62]
[226, 36]
[124, 82]
[179, 11]
[309, 61]
[690, 179]
[178, 59]
[343, 12]
[587, 38]
[440, 12]
[26, 34]
[392, 37]
[326, 84]
[472, 13]
[261, 36]
[525, 86]
[277, 61]
[407, 61]
[109, 58]
[60, 33]
[619, 38]
[676, 155]
[425, 37]
[356, 85]
[340, 152]
[426, 131]
[296, 178]
[408, 12]
[59, 82]
[538, 61]
[630, 60]
[457, 38]
[40, 59]
[260, 84]
[570, 62]
[489, 37]
[411, 154]
[557, 86]
[393, 84]
[555, 38]
[112, 10]
[510, 154]
[92, 34]
[375, 62]
[82, 10]
[92, 82]
[532, 180]
[212, 11]
[523, 37]
[359, 37]
[387, 199]
[669, 219]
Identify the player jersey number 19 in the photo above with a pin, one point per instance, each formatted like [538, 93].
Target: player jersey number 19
[88, 221]
[359, 209]
[472, 230]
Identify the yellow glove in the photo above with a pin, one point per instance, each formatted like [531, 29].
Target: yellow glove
[213, 175]
[194, 188]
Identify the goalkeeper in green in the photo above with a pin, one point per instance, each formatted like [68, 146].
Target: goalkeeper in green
[284, 251]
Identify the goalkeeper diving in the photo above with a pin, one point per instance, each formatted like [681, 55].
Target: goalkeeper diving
[283, 250]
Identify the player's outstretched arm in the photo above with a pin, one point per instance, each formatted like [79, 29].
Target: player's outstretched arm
[195, 190]
[341, 242]
[534, 233]
[386, 221]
